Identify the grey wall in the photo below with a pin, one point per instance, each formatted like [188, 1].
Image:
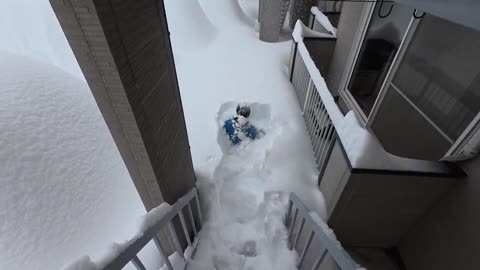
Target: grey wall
[347, 29]
[123, 49]
[449, 236]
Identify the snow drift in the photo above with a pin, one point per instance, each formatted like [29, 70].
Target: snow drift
[65, 190]
[226, 13]
[30, 28]
[189, 26]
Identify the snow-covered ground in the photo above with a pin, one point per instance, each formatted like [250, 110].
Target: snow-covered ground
[64, 189]
[244, 189]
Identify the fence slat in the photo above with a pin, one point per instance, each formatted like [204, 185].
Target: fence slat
[298, 234]
[198, 209]
[293, 223]
[320, 260]
[173, 238]
[137, 263]
[190, 213]
[305, 248]
[184, 226]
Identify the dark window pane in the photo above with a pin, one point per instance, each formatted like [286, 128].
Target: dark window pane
[381, 42]
[440, 74]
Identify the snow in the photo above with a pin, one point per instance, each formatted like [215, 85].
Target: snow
[243, 189]
[323, 20]
[30, 28]
[154, 216]
[65, 189]
[64, 181]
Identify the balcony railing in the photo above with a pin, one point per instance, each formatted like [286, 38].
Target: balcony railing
[316, 249]
[364, 186]
[160, 224]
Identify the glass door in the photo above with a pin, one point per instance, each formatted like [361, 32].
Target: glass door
[379, 47]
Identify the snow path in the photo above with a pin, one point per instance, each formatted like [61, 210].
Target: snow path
[243, 189]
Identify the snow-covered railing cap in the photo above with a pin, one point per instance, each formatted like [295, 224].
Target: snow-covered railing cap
[363, 149]
[323, 20]
[301, 31]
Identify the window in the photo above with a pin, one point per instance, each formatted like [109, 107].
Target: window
[440, 74]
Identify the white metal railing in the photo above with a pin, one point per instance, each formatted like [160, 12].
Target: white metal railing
[129, 251]
[319, 124]
[327, 254]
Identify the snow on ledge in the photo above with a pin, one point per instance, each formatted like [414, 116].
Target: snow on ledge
[301, 31]
[323, 20]
[361, 146]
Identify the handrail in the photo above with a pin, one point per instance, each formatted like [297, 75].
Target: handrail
[330, 247]
[130, 249]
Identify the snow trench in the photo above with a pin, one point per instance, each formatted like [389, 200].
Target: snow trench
[244, 227]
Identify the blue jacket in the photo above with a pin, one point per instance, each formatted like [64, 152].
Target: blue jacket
[232, 130]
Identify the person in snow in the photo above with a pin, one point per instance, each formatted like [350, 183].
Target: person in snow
[239, 127]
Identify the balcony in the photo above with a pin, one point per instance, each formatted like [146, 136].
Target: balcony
[373, 197]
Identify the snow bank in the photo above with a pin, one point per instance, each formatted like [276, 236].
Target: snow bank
[190, 27]
[31, 29]
[323, 20]
[225, 13]
[65, 189]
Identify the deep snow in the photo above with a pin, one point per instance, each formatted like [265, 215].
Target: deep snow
[65, 190]
[243, 189]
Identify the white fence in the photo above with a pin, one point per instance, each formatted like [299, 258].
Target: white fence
[320, 128]
[317, 250]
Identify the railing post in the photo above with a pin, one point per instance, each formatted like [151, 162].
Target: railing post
[307, 95]
[198, 208]
[173, 238]
[294, 58]
[184, 226]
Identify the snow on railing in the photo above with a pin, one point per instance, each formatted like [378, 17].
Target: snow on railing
[319, 124]
[319, 22]
[362, 148]
[156, 221]
[303, 228]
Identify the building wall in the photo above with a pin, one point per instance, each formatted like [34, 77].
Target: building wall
[449, 236]
[123, 49]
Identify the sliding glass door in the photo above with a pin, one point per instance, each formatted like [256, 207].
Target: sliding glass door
[381, 42]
